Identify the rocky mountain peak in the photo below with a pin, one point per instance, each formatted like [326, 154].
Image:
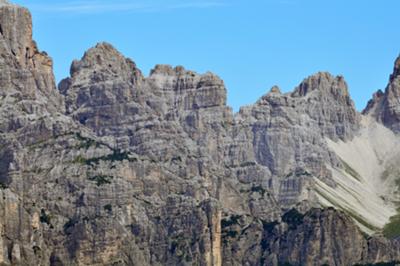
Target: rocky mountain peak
[16, 31]
[275, 90]
[385, 107]
[104, 59]
[4, 2]
[189, 89]
[20, 53]
[323, 82]
[158, 171]
[373, 104]
[167, 70]
[396, 70]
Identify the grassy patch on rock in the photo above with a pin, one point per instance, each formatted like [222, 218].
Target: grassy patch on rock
[293, 218]
[392, 263]
[117, 155]
[101, 179]
[85, 142]
[232, 220]
[392, 229]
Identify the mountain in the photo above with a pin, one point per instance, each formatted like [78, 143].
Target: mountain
[112, 167]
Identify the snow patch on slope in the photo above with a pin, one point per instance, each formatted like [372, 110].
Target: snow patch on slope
[361, 191]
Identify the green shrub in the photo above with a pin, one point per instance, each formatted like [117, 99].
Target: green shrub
[231, 234]
[234, 219]
[258, 189]
[284, 264]
[101, 179]
[392, 263]
[79, 160]
[44, 217]
[269, 226]
[117, 155]
[293, 218]
[86, 143]
[3, 185]
[108, 207]
[70, 224]
[392, 229]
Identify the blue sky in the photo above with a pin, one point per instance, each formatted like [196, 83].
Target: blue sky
[252, 45]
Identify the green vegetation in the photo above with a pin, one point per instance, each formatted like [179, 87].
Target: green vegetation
[108, 207]
[101, 179]
[36, 249]
[179, 246]
[269, 226]
[247, 164]
[117, 155]
[258, 189]
[79, 160]
[284, 264]
[231, 233]
[234, 219]
[393, 263]
[188, 258]
[176, 159]
[69, 224]
[349, 170]
[397, 182]
[3, 185]
[227, 230]
[299, 172]
[44, 217]
[392, 229]
[86, 143]
[293, 218]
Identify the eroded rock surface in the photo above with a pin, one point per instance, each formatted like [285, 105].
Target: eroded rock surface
[385, 107]
[115, 168]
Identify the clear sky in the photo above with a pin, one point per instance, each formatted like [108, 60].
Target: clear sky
[252, 45]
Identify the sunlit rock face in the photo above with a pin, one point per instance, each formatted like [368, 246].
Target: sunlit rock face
[116, 168]
[385, 106]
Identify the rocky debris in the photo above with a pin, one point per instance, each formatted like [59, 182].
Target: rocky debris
[116, 168]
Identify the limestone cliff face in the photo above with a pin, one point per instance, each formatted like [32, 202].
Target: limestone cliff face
[330, 105]
[115, 168]
[23, 65]
[322, 236]
[285, 135]
[29, 113]
[385, 106]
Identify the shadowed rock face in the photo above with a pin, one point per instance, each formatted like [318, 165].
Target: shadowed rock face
[322, 236]
[115, 168]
